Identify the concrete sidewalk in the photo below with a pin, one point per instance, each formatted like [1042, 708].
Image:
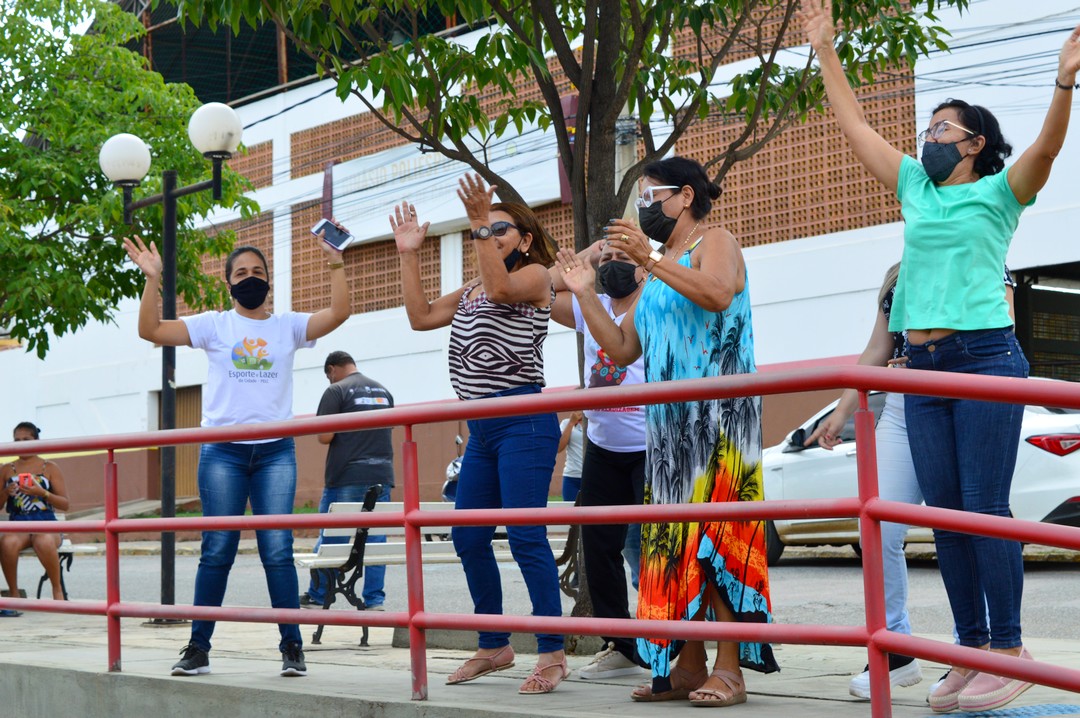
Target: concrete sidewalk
[54, 664]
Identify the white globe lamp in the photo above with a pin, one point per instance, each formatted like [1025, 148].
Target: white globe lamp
[125, 159]
[215, 130]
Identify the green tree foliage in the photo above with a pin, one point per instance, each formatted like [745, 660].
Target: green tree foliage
[658, 59]
[62, 94]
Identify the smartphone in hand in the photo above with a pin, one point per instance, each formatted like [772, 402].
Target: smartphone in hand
[333, 236]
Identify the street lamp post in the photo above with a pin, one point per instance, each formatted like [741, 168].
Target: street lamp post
[215, 131]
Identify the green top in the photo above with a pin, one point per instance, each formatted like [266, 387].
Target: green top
[955, 241]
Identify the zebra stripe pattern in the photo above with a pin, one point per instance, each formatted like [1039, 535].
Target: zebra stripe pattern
[494, 347]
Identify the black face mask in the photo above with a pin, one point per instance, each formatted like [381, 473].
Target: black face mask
[512, 260]
[940, 159]
[250, 293]
[655, 224]
[619, 279]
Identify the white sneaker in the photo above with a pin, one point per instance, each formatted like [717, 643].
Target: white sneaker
[903, 671]
[609, 663]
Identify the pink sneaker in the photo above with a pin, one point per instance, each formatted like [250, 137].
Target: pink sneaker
[945, 696]
[988, 691]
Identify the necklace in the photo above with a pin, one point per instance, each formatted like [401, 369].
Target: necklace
[675, 256]
[688, 237]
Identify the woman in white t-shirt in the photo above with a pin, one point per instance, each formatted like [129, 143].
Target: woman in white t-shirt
[613, 469]
[250, 353]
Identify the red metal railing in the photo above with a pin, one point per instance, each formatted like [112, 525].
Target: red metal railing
[868, 507]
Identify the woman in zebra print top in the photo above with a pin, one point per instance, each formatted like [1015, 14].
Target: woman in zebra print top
[498, 323]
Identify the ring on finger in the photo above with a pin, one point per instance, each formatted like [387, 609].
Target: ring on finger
[623, 237]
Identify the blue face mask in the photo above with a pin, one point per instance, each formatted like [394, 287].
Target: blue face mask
[939, 159]
[512, 260]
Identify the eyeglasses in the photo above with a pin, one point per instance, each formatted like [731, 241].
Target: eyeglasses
[498, 229]
[936, 130]
[648, 196]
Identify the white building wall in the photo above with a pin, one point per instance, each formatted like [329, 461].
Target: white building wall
[812, 298]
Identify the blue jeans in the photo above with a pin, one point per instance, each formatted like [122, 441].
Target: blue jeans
[896, 482]
[373, 575]
[508, 463]
[229, 475]
[964, 453]
[571, 487]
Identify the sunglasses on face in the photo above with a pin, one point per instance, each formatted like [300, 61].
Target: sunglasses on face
[648, 197]
[499, 229]
[936, 130]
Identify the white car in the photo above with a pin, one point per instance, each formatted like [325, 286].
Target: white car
[1046, 483]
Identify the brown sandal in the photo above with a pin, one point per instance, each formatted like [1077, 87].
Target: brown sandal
[680, 690]
[717, 698]
[460, 676]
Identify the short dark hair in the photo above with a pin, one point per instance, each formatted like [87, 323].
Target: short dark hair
[29, 426]
[338, 358]
[978, 119]
[241, 250]
[685, 172]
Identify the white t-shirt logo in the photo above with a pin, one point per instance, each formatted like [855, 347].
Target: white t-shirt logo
[252, 354]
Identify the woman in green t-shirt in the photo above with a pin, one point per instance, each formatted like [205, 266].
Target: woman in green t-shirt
[960, 207]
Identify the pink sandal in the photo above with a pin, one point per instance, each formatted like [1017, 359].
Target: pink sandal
[460, 676]
[545, 685]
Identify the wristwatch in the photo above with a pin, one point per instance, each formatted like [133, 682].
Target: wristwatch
[654, 257]
[483, 232]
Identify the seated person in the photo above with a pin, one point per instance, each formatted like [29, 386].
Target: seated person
[35, 490]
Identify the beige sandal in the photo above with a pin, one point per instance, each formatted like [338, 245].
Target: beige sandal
[545, 685]
[720, 699]
[679, 690]
[460, 676]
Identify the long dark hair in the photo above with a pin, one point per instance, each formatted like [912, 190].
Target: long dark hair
[542, 249]
[978, 119]
[685, 172]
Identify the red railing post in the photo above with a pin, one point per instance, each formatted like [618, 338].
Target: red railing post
[112, 562]
[873, 570]
[414, 565]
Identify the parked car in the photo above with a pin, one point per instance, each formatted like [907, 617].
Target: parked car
[1046, 483]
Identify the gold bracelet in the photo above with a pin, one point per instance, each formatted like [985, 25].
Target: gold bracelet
[336, 265]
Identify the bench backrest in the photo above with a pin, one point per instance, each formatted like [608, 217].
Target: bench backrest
[399, 531]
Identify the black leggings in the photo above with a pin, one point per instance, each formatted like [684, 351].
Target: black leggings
[610, 478]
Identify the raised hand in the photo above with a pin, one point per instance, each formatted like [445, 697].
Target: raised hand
[332, 255]
[817, 24]
[1069, 62]
[476, 197]
[624, 235]
[578, 275]
[148, 260]
[409, 234]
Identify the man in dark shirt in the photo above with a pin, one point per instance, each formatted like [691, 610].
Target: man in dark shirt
[356, 461]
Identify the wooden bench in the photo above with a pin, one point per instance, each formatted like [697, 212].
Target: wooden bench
[345, 561]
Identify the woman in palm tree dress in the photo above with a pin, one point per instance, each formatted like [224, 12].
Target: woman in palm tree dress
[693, 320]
